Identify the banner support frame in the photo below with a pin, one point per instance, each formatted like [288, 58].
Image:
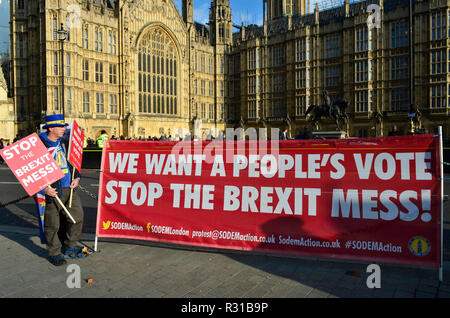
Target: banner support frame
[99, 196]
[441, 165]
[95, 243]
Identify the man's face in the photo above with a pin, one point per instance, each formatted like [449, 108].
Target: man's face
[56, 132]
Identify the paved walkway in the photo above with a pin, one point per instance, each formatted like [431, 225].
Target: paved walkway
[160, 271]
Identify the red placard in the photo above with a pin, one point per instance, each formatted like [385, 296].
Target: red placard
[32, 164]
[375, 199]
[75, 153]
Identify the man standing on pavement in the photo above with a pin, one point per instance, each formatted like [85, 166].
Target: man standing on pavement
[57, 145]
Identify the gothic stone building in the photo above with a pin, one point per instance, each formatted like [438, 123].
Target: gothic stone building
[7, 117]
[133, 68]
[140, 68]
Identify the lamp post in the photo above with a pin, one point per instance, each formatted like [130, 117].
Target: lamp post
[63, 35]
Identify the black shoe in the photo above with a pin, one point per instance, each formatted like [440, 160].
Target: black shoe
[57, 260]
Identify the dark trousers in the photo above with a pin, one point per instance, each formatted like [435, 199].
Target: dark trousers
[55, 219]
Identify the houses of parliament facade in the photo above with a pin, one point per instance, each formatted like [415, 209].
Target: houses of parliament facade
[141, 68]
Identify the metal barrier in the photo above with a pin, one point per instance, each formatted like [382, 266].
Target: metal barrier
[92, 158]
[446, 159]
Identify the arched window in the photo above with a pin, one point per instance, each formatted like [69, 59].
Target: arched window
[157, 63]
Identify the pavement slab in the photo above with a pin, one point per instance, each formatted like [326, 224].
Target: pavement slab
[123, 269]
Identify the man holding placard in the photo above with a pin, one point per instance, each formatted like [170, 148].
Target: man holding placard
[57, 145]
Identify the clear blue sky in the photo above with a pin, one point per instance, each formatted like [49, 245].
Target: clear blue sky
[247, 11]
[4, 26]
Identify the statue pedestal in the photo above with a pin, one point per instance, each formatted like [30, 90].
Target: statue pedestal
[331, 134]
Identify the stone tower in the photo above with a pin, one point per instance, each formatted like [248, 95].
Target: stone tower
[220, 22]
[282, 8]
[188, 11]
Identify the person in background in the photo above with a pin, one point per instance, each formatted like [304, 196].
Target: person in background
[307, 134]
[283, 135]
[395, 131]
[102, 139]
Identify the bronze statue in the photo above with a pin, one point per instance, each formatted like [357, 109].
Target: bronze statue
[334, 109]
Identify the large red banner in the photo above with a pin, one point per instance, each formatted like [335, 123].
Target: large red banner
[375, 199]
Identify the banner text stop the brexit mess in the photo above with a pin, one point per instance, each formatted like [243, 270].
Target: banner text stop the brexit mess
[373, 193]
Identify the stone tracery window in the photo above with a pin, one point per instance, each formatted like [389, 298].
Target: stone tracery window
[157, 73]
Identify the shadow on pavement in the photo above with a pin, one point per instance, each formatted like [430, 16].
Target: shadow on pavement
[328, 276]
[25, 220]
[26, 242]
[20, 214]
[24, 215]
[312, 273]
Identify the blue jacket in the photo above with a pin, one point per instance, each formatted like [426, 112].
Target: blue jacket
[64, 142]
